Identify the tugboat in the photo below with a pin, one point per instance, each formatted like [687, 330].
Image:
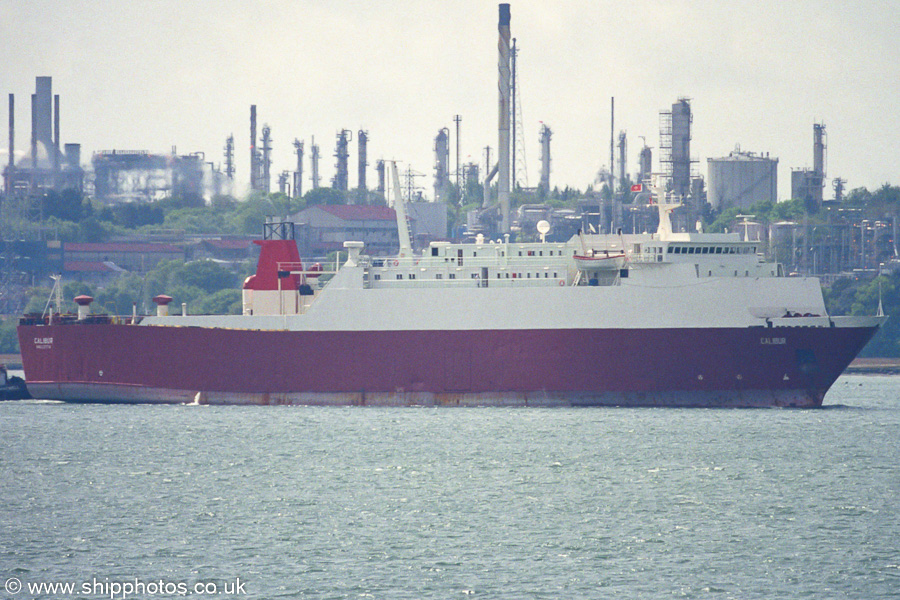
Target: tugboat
[12, 388]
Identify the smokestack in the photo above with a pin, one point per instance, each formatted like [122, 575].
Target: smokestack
[379, 168]
[56, 133]
[546, 134]
[265, 177]
[33, 132]
[612, 145]
[43, 122]
[253, 166]
[818, 161]
[12, 140]
[504, 88]
[362, 139]
[819, 149]
[314, 159]
[298, 174]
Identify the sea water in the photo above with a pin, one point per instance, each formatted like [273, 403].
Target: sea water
[304, 502]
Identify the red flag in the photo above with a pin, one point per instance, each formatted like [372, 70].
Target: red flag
[638, 187]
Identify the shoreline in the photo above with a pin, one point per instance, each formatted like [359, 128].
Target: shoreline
[13, 362]
[874, 366]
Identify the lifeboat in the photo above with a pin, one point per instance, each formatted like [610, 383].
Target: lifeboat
[599, 261]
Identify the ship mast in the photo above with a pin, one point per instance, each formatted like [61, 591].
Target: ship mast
[400, 209]
[658, 188]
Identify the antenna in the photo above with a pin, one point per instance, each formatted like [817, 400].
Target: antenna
[457, 119]
[519, 164]
[55, 297]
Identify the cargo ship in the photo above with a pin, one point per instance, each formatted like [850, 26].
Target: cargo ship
[653, 319]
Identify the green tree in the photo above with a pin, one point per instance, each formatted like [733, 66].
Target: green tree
[37, 299]
[227, 302]
[856, 297]
[118, 297]
[324, 195]
[206, 275]
[188, 294]
[76, 288]
[9, 340]
[67, 205]
[92, 230]
[724, 219]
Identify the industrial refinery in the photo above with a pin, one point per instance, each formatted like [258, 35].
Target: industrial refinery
[488, 197]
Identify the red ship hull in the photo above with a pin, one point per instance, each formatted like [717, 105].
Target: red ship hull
[735, 367]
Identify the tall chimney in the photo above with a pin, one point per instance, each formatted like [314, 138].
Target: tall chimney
[314, 159]
[379, 168]
[504, 86]
[362, 139]
[43, 122]
[34, 120]
[298, 174]
[612, 145]
[253, 166]
[56, 133]
[12, 143]
[818, 161]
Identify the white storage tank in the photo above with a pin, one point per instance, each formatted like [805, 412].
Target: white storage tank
[742, 179]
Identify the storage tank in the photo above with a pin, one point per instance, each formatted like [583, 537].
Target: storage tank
[742, 179]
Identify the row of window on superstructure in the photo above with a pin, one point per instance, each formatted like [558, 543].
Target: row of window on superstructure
[712, 249]
[516, 275]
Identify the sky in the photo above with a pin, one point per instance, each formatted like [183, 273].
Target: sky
[152, 75]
